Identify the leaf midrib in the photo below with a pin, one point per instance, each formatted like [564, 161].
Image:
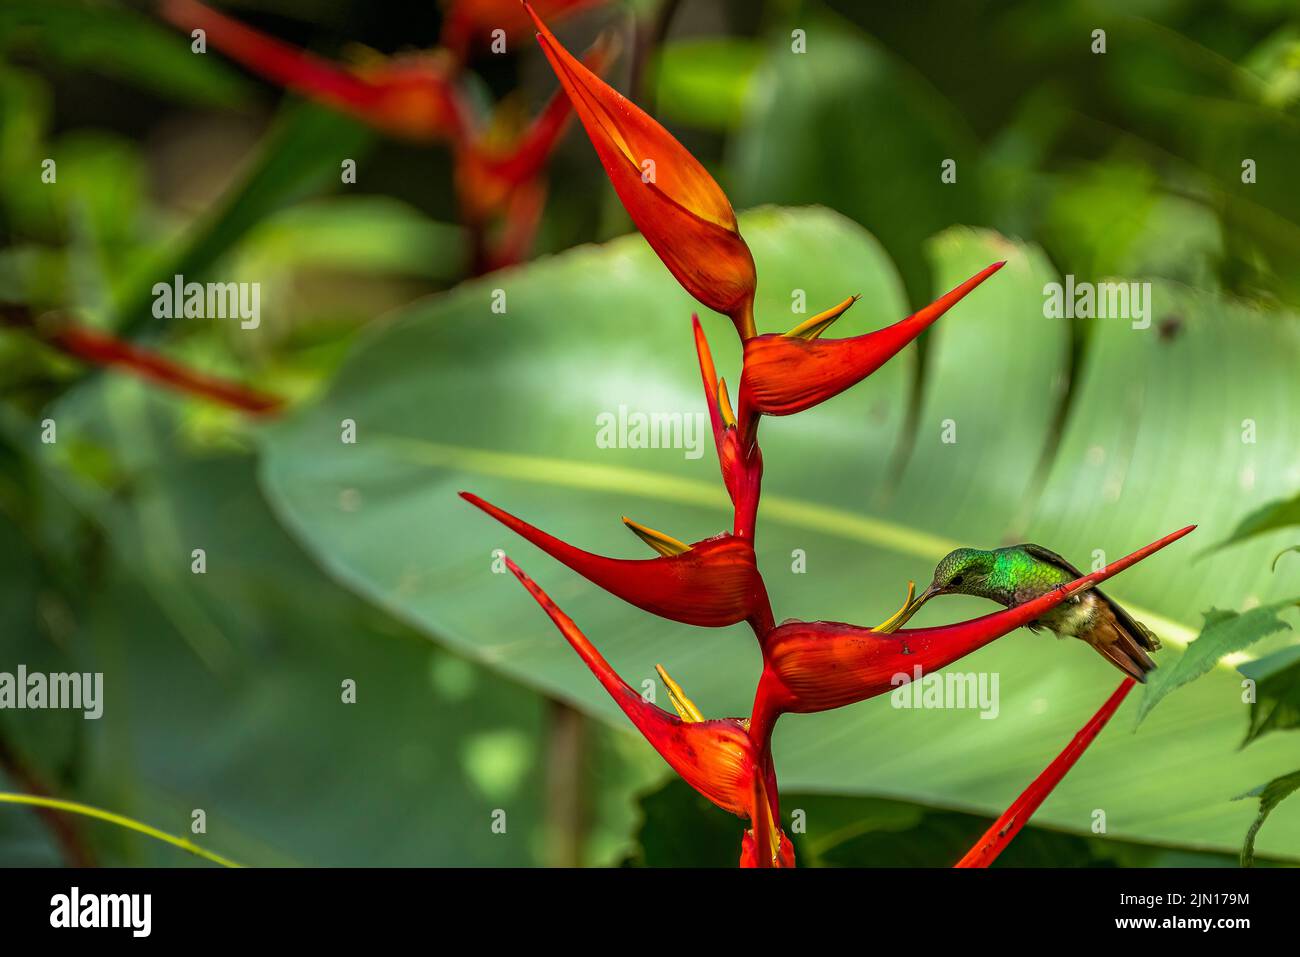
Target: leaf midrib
[787, 510]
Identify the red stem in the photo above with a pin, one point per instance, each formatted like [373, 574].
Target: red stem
[106, 350]
[1005, 828]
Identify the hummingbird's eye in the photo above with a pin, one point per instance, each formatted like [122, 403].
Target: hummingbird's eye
[956, 579]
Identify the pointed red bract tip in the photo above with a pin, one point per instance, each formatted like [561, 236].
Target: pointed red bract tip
[784, 375]
[739, 457]
[713, 584]
[1006, 827]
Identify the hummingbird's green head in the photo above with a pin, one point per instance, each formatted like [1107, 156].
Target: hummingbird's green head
[963, 571]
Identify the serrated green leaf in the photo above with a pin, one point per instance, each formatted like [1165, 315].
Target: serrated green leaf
[1224, 633]
[1270, 796]
[1266, 518]
[1277, 693]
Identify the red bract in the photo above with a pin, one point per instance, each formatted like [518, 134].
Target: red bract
[820, 665]
[710, 583]
[740, 459]
[787, 373]
[674, 202]
[715, 757]
[751, 855]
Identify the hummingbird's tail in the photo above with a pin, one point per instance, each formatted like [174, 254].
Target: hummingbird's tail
[1123, 642]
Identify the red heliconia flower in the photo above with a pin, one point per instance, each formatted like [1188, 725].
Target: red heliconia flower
[498, 161]
[820, 665]
[715, 757]
[412, 96]
[712, 583]
[739, 457]
[788, 372]
[471, 21]
[674, 202]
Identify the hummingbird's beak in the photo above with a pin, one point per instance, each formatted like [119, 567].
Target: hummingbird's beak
[910, 608]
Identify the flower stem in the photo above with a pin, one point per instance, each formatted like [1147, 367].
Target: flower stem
[566, 752]
[103, 349]
[1005, 828]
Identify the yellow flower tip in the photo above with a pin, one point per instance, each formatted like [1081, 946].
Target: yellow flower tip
[811, 328]
[765, 820]
[724, 405]
[665, 545]
[683, 705]
[898, 618]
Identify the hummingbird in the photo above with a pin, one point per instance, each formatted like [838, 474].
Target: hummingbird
[1015, 574]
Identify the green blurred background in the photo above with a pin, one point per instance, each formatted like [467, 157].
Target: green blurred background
[328, 562]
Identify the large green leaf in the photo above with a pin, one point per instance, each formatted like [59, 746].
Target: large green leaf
[451, 395]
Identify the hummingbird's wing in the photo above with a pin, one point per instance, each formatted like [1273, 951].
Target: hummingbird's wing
[1139, 632]
[1113, 632]
[1049, 556]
